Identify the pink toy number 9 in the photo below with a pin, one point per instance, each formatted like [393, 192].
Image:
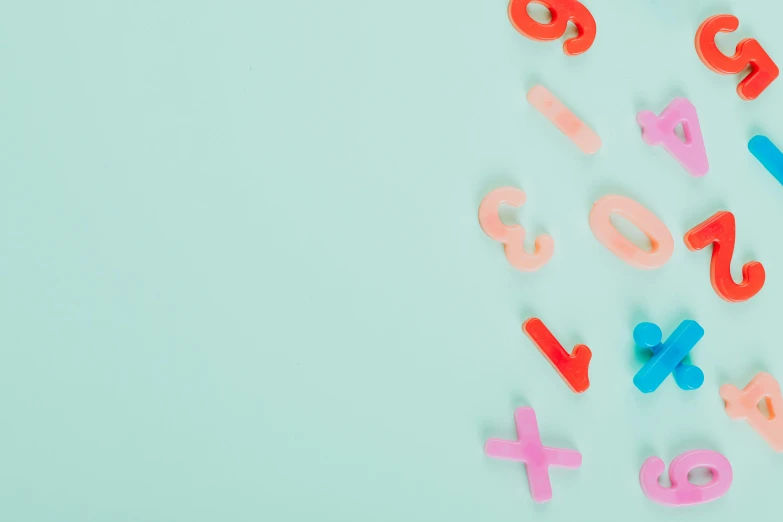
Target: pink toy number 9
[682, 492]
[513, 237]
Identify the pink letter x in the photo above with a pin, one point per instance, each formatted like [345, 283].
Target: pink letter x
[537, 458]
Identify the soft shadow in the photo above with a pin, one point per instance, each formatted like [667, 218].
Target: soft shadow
[688, 444]
[639, 356]
[505, 429]
[644, 452]
[681, 314]
[698, 213]
[660, 103]
[492, 181]
[529, 81]
[527, 312]
[638, 315]
[518, 401]
[712, 9]
[755, 130]
[741, 378]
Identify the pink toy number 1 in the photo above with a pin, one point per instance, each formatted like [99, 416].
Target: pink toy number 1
[683, 492]
[513, 237]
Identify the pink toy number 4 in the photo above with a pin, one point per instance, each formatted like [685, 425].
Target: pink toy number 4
[537, 458]
[659, 130]
[743, 404]
[682, 492]
[513, 237]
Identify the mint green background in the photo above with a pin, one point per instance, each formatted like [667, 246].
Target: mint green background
[243, 278]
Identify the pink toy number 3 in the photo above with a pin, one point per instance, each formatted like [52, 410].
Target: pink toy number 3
[513, 237]
[683, 492]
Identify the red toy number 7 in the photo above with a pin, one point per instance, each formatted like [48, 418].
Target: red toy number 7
[562, 12]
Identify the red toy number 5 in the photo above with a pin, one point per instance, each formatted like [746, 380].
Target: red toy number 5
[749, 52]
[562, 12]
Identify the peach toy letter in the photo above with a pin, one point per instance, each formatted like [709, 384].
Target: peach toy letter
[652, 227]
[744, 405]
[513, 236]
[565, 120]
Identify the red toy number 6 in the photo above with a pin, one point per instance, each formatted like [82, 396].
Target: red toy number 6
[749, 52]
[562, 12]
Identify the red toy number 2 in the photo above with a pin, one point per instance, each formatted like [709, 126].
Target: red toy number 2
[749, 52]
[720, 229]
[562, 12]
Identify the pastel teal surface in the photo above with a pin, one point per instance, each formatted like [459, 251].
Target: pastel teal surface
[243, 277]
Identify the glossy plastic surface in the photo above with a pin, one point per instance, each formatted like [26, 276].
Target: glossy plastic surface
[744, 405]
[682, 492]
[537, 458]
[652, 227]
[749, 52]
[562, 12]
[768, 155]
[513, 237]
[572, 367]
[577, 131]
[720, 231]
[659, 130]
[667, 357]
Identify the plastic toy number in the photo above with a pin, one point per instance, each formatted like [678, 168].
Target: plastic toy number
[682, 492]
[572, 367]
[553, 109]
[768, 155]
[562, 12]
[763, 70]
[720, 231]
[537, 457]
[668, 357]
[743, 404]
[653, 228]
[760, 403]
[513, 237]
[659, 130]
